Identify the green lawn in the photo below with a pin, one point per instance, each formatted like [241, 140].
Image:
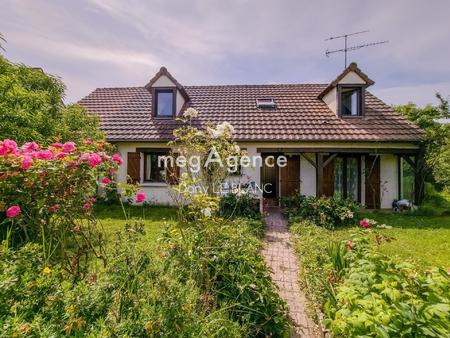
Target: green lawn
[425, 240]
[112, 219]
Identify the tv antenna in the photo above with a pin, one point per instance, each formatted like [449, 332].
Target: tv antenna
[351, 48]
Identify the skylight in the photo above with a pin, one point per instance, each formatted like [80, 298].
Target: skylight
[265, 103]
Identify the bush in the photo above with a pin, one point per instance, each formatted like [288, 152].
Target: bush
[46, 196]
[328, 212]
[224, 259]
[381, 297]
[239, 205]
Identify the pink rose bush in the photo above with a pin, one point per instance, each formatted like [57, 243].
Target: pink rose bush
[140, 197]
[50, 189]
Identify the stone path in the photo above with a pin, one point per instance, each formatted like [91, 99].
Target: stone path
[281, 258]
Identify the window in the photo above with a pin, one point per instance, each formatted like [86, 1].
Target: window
[265, 103]
[154, 170]
[164, 103]
[351, 101]
[346, 177]
[407, 178]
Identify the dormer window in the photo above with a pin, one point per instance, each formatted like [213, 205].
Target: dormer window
[164, 102]
[350, 100]
[265, 103]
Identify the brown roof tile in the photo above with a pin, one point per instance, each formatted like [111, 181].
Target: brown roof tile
[126, 115]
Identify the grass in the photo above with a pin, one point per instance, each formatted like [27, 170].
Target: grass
[424, 240]
[112, 219]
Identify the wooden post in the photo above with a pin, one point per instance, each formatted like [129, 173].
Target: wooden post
[319, 174]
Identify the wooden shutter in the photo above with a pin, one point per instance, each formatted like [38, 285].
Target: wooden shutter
[328, 180]
[290, 177]
[372, 174]
[172, 172]
[133, 167]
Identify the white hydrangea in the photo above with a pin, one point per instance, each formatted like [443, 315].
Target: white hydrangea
[226, 127]
[190, 113]
[237, 149]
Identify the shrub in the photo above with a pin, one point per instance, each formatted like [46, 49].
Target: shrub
[379, 296]
[46, 196]
[328, 212]
[224, 259]
[239, 205]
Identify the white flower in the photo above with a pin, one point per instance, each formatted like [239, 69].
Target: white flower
[226, 127]
[190, 113]
[207, 212]
[215, 133]
[237, 149]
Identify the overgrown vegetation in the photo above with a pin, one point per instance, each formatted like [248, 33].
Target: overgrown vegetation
[32, 108]
[239, 205]
[324, 211]
[364, 292]
[435, 165]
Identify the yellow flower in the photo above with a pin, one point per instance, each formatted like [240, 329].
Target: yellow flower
[47, 270]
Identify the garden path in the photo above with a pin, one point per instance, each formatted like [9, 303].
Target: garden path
[282, 260]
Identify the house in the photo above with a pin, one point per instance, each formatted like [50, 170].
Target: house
[338, 138]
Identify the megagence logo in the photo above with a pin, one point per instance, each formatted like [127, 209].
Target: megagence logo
[232, 163]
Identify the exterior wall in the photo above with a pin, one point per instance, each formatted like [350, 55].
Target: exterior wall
[160, 192]
[352, 78]
[307, 176]
[388, 180]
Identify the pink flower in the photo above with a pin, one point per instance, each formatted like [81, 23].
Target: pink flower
[57, 145]
[76, 228]
[87, 141]
[53, 208]
[94, 160]
[117, 158]
[105, 180]
[86, 206]
[27, 161]
[44, 155]
[364, 224]
[29, 147]
[8, 146]
[68, 147]
[140, 197]
[61, 155]
[91, 200]
[13, 211]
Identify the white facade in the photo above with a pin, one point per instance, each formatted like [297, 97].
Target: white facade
[159, 193]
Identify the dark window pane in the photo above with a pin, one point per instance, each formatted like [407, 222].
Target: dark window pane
[164, 103]
[352, 178]
[350, 101]
[339, 177]
[407, 178]
[153, 171]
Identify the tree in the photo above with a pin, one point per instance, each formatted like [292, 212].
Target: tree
[32, 108]
[435, 166]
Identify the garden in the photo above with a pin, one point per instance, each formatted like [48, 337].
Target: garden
[81, 255]
[372, 273]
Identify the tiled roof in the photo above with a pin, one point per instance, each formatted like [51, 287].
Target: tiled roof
[126, 115]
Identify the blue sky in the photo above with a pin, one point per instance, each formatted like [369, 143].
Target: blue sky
[113, 43]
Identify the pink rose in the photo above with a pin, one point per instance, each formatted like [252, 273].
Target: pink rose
[8, 146]
[364, 224]
[29, 147]
[94, 160]
[117, 158]
[27, 161]
[87, 141]
[105, 180]
[61, 155]
[44, 155]
[86, 206]
[91, 200]
[68, 147]
[140, 197]
[13, 211]
[57, 145]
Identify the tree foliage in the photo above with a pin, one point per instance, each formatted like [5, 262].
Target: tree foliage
[436, 146]
[32, 108]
